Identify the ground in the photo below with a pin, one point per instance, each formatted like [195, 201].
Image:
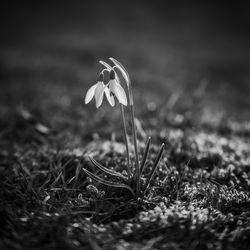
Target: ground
[191, 87]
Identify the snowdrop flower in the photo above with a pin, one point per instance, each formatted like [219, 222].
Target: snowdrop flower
[112, 89]
[117, 89]
[98, 91]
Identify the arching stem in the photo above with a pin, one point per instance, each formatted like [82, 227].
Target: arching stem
[125, 74]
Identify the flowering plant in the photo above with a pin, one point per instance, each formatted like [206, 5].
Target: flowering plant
[113, 89]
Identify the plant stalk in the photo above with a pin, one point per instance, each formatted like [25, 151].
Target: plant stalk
[131, 104]
[125, 140]
[132, 114]
[137, 167]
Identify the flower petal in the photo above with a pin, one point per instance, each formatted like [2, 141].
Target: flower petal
[119, 92]
[99, 91]
[110, 97]
[90, 94]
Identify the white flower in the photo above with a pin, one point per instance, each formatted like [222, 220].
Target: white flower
[98, 91]
[117, 89]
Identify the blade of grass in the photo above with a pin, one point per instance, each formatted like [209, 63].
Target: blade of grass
[46, 181]
[108, 183]
[56, 180]
[77, 172]
[63, 167]
[145, 155]
[154, 168]
[69, 181]
[106, 170]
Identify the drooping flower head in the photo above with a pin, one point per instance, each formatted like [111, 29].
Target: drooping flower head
[117, 89]
[112, 89]
[98, 91]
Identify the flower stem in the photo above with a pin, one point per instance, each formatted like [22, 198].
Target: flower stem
[131, 104]
[137, 168]
[125, 140]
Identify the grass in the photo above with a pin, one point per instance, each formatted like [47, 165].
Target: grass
[199, 197]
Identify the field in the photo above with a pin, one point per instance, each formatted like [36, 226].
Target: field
[191, 85]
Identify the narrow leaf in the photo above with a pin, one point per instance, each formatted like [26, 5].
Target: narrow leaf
[145, 155]
[70, 180]
[106, 170]
[108, 183]
[154, 168]
[46, 182]
[56, 180]
[77, 172]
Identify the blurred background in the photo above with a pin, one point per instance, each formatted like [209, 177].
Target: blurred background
[186, 58]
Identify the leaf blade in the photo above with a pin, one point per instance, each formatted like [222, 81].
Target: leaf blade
[106, 170]
[154, 168]
[108, 183]
[145, 155]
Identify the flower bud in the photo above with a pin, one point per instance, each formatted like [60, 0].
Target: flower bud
[112, 75]
[101, 77]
